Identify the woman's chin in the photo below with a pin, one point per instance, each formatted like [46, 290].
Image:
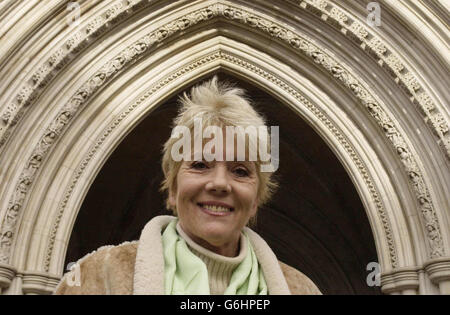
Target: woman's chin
[215, 233]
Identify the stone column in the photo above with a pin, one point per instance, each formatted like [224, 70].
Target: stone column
[39, 283]
[7, 273]
[400, 281]
[439, 272]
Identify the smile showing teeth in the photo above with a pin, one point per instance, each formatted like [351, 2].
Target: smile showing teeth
[215, 208]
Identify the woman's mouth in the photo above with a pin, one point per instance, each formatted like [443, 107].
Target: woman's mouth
[215, 209]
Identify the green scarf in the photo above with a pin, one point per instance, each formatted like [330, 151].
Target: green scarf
[186, 274]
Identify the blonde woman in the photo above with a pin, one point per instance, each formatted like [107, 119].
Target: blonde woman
[214, 191]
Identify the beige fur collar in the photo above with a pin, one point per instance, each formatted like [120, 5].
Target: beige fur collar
[149, 267]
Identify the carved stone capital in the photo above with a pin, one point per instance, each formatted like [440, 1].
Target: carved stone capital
[39, 283]
[400, 280]
[7, 273]
[438, 269]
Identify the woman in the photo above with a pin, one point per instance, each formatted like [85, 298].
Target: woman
[214, 190]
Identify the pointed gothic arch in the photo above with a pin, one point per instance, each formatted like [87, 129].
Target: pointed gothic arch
[89, 93]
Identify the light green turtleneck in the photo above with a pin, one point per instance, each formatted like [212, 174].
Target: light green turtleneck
[220, 268]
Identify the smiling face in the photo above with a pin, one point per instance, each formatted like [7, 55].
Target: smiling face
[214, 201]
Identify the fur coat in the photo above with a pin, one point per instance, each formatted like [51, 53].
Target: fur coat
[138, 268]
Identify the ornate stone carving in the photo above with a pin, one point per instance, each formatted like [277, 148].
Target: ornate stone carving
[338, 15]
[359, 30]
[61, 56]
[377, 46]
[119, 10]
[73, 42]
[425, 103]
[389, 61]
[400, 280]
[5, 244]
[302, 45]
[9, 113]
[114, 11]
[39, 283]
[56, 128]
[394, 62]
[411, 82]
[56, 58]
[318, 4]
[439, 124]
[390, 128]
[37, 79]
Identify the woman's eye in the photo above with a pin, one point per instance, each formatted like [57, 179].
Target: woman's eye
[241, 172]
[199, 165]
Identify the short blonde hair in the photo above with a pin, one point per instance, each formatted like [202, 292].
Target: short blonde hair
[218, 104]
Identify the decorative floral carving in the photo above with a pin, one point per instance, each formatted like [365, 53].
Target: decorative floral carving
[39, 76]
[411, 82]
[359, 30]
[425, 103]
[439, 124]
[377, 45]
[25, 95]
[319, 4]
[394, 63]
[95, 25]
[390, 60]
[114, 11]
[9, 113]
[56, 58]
[338, 15]
[74, 41]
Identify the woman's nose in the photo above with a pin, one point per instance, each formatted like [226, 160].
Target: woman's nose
[219, 180]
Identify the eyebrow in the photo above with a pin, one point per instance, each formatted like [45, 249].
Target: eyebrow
[247, 164]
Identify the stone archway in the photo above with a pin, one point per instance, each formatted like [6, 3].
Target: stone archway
[86, 94]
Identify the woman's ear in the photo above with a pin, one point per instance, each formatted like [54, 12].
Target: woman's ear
[172, 199]
[253, 212]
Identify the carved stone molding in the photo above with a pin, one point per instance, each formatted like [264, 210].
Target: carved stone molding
[244, 64]
[267, 25]
[126, 58]
[438, 269]
[376, 109]
[7, 273]
[388, 59]
[329, 12]
[400, 280]
[39, 283]
[60, 57]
